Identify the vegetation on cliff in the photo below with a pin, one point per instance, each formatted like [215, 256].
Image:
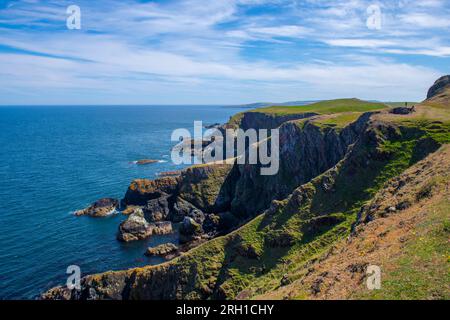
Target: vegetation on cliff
[340, 158]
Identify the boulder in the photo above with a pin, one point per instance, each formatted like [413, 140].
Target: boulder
[136, 227]
[161, 250]
[402, 110]
[181, 208]
[189, 230]
[100, 208]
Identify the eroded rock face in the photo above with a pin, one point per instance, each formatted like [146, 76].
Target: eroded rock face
[157, 209]
[189, 230]
[141, 191]
[439, 86]
[100, 208]
[136, 227]
[305, 152]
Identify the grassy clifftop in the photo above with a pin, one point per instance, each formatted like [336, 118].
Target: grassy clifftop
[326, 107]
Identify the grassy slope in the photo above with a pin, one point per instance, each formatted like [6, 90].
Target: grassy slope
[224, 265]
[346, 110]
[410, 245]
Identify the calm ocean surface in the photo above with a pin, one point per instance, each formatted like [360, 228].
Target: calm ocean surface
[55, 160]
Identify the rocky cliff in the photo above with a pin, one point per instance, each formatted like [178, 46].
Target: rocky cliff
[332, 167]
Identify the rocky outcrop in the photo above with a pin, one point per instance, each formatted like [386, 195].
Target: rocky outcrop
[190, 230]
[136, 227]
[141, 191]
[403, 110]
[101, 208]
[162, 250]
[146, 161]
[439, 87]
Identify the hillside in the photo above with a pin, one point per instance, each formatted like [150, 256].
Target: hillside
[348, 168]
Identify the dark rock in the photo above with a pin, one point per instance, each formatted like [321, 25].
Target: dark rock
[315, 287]
[402, 110]
[189, 230]
[157, 209]
[322, 223]
[100, 208]
[279, 239]
[403, 205]
[181, 208]
[439, 86]
[285, 280]
[357, 267]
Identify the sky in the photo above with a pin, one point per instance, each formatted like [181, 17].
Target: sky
[133, 52]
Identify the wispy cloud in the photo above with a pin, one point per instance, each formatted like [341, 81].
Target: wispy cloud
[222, 51]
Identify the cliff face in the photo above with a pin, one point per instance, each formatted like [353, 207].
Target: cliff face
[306, 151]
[327, 188]
[258, 120]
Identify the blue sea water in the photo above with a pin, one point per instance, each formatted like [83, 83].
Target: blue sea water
[54, 160]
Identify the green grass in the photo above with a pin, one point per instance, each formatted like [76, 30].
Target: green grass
[339, 121]
[326, 107]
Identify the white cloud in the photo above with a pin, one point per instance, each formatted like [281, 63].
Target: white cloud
[193, 50]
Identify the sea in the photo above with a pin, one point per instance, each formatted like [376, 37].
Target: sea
[55, 160]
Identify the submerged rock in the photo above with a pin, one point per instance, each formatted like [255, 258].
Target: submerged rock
[100, 208]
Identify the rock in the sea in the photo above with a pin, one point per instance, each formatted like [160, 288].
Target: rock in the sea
[137, 228]
[141, 191]
[162, 250]
[100, 208]
[146, 161]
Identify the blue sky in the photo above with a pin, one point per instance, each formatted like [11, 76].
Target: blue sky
[221, 51]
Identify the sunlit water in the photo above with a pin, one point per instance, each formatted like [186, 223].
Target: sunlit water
[55, 160]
